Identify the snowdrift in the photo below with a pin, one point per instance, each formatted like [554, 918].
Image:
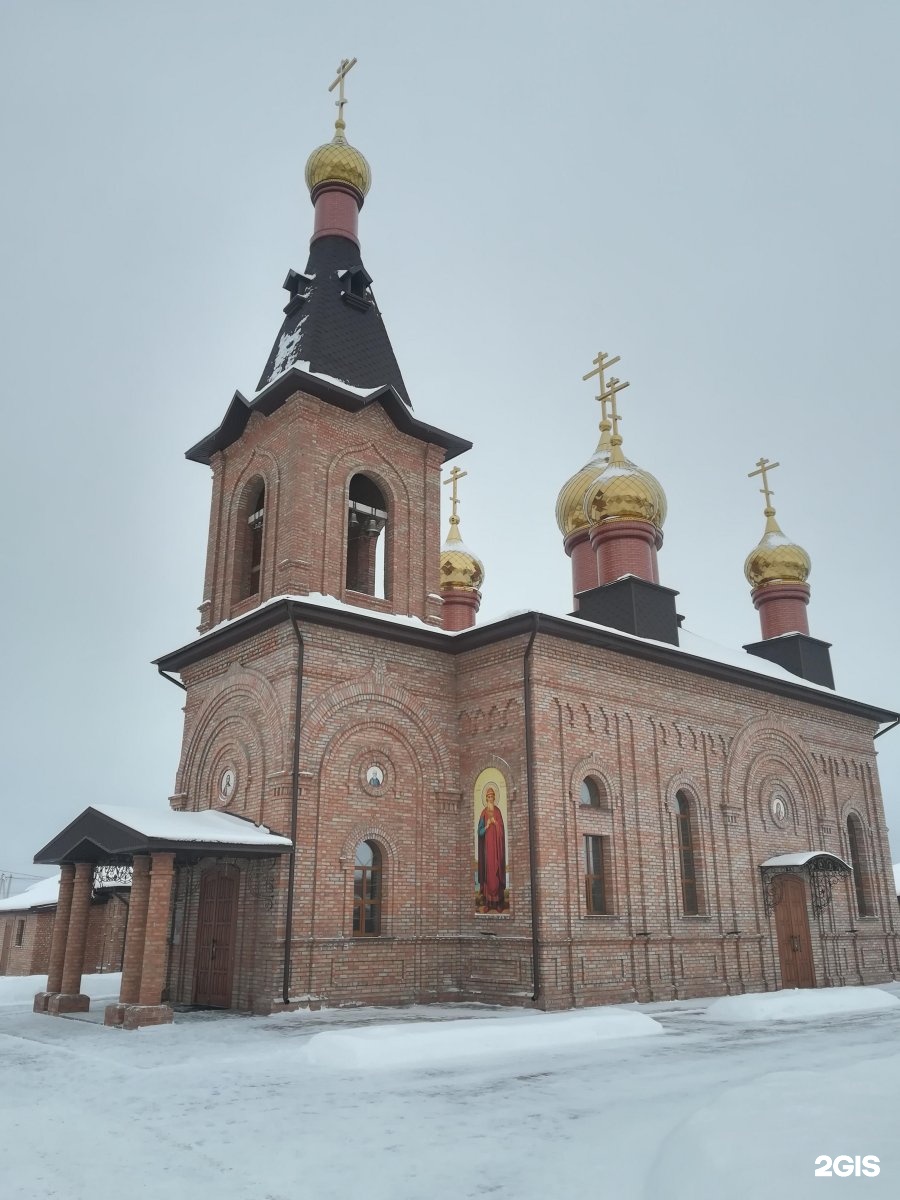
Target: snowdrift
[801, 1004]
[18, 990]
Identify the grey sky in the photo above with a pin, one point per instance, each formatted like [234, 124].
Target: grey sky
[709, 190]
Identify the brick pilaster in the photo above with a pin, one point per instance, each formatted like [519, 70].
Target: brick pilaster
[156, 937]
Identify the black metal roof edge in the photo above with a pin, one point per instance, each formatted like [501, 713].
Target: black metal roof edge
[498, 631]
[280, 390]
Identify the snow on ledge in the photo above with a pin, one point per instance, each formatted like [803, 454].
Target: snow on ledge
[451, 1042]
[801, 1004]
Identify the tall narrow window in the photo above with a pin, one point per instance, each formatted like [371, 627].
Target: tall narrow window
[857, 841]
[20, 931]
[596, 874]
[690, 893]
[367, 519]
[255, 521]
[367, 891]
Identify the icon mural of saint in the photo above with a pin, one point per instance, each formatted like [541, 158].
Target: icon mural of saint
[491, 854]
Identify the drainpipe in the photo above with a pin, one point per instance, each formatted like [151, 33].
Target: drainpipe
[295, 803]
[529, 778]
[887, 729]
[172, 679]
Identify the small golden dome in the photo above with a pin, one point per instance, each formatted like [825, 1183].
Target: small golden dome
[776, 559]
[338, 162]
[622, 491]
[461, 570]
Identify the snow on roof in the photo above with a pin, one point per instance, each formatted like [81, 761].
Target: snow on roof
[206, 826]
[692, 645]
[281, 366]
[45, 891]
[801, 858]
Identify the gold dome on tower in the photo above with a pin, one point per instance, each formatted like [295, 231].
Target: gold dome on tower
[776, 559]
[623, 491]
[338, 162]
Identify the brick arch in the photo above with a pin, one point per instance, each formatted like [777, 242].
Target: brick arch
[261, 465]
[368, 460]
[681, 782]
[244, 682]
[760, 744]
[318, 729]
[368, 832]
[590, 765]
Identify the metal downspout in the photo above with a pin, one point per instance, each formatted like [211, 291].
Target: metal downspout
[295, 801]
[529, 778]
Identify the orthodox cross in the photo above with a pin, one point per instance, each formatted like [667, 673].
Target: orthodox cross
[763, 468]
[601, 363]
[454, 477]
[609, 396]
[342, 72]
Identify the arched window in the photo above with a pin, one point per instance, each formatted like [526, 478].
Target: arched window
[367, 519]
[592, 793]
[690, 888]
[857, 842]
[248, 549]
[367, 891]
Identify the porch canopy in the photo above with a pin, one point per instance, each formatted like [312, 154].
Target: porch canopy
[821, 860]
[107, 833]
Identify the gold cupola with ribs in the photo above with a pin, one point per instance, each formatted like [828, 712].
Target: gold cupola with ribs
[776, 559]
[621, 490]
[337, 162]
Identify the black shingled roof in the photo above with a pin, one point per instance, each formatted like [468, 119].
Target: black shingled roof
[333, 323]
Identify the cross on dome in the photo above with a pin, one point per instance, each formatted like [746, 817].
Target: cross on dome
[763, 467]
[347, 65]
[453, 478]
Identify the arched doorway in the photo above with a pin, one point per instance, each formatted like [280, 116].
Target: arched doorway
[792, 931]
[216, 920]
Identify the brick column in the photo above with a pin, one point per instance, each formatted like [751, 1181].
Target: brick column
[584, 562]
[459, 608]
[69, 997]
[625, 547]
[133, 956]
[782, 608]
[58, 940]
[149, 1009]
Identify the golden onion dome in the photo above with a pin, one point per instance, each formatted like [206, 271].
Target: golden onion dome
[622, 491]
[776, 559]
[461, 570]
[570, 501]
[338, 162]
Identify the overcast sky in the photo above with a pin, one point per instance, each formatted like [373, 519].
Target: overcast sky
[709, 190]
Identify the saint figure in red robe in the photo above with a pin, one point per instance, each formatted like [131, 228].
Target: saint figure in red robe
[492, 854]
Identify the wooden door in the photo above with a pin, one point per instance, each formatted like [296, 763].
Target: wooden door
[792, 928]
[216, 919]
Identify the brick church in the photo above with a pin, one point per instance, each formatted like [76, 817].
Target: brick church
[379, 800]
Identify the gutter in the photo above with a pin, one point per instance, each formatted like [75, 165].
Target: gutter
[887, 728]
[529, 777]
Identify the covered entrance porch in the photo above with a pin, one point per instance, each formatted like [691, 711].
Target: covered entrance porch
[792, 884]
[206, 848]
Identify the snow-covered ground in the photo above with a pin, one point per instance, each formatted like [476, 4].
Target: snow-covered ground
[317, 1106]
